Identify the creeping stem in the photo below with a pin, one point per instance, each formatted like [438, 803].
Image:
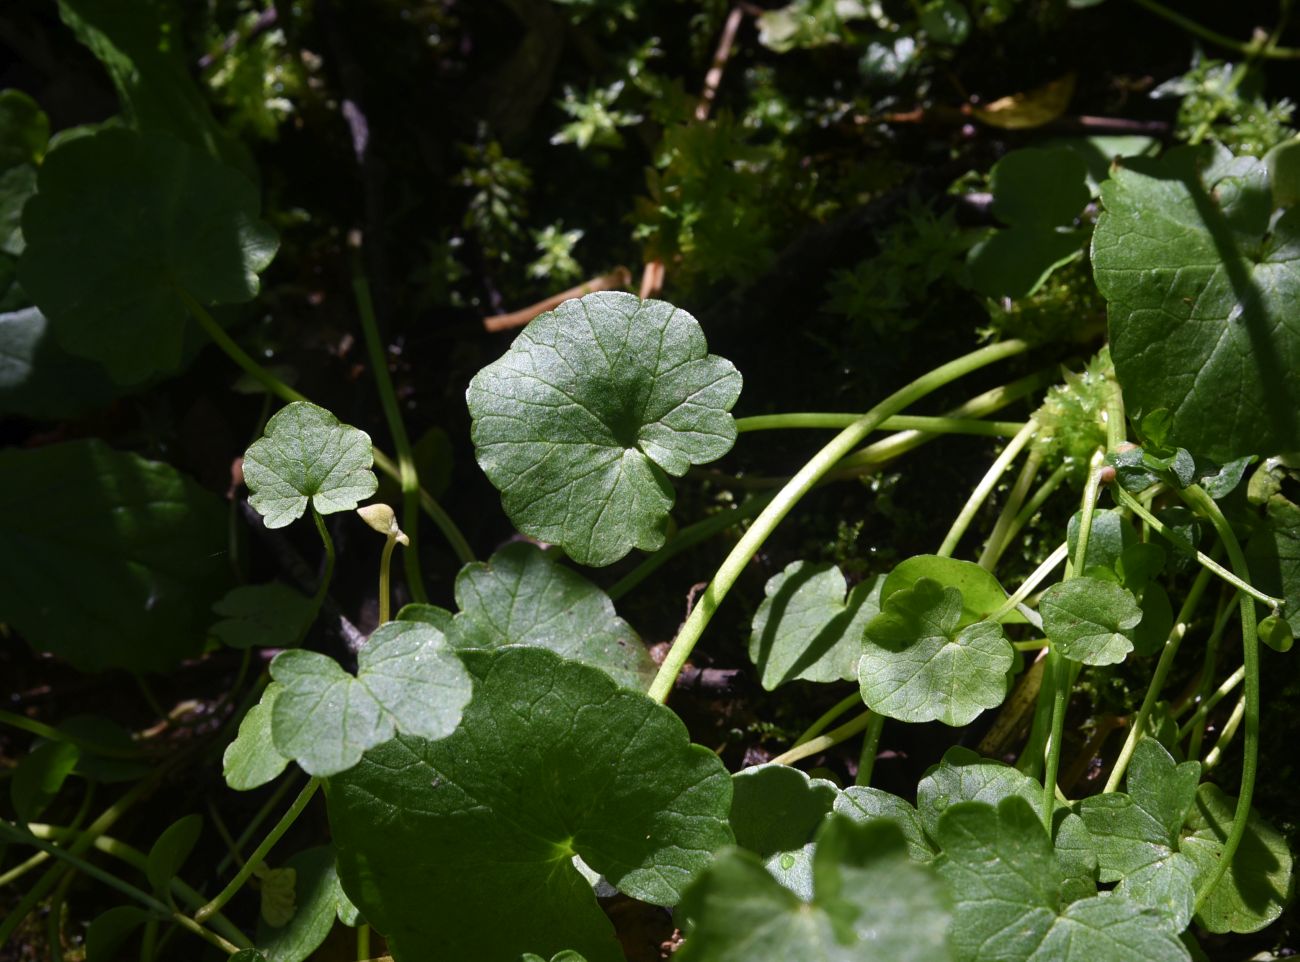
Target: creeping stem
[796, 488]
[1204, 505]
[407, 476]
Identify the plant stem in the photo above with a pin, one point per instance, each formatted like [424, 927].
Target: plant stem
[1036, 577]
[988, 558]
[1090, 492]
[899, 422]
[870, 748]
[1058, 670]
[823, 742]
[287, 394]
[41, 730]
[1208, 665]
[1204, 708]
[260, 853]
[828, 716]
[324, 586]
[1240, 584]
[1158, 678]
[1030, 508]
[255, 822]
[385, 567]
[785, 500]
[112, 881]
[1203, 504]
[985, 488]
[1215, 754]
[408, 477]
[1219, 39]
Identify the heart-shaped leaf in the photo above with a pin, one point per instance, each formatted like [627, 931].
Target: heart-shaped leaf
[594, 406]
[1258, 883]
[869, 901]
[1007, 885]
[1090, 620]
[522, 596]
[123, 229]
[1201, 281]
[134, 552]
[408, 679]
[272, 615]
[964, 776]
[439, 842]
[305, 454]
[919, 665]
[806, 628]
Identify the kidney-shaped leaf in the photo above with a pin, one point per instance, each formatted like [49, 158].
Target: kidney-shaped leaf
[806, 628]
[595, 404]
[918, 665]
[1201, 283]
[463, 848]
[122, 229]
[1007, 885]
[870, 901]
[408, 679]
[106, 559]
[1090, 620]
[981, 593]
[521, 596]
[306, 454]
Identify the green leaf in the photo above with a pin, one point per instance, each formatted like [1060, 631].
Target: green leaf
[272, 615]
[1037, 187]
[408, 679]
[279, 895]
[248, 955]
[1135, 835]
[1007, 886]
[918, 665]
[775, 812]
[981, 594]
[17, 186]
[439, 841]
[565, 956]
[1256, 887]
[109, 931]
[1015, 262]
[522, 596]
[440, 618]
[806, 629]
[1090, 620]
[24, 130]
[1109, 537]
[863, 803]
[1273, 552]
[99, 735]
[870, 901]
[306, 454]
[39, 776]
[945, 21]
[963, 776]
[251, 759]
[1275, 631]
[316, 900]
[106, 559]
[594, 406]
[171, 850]
[123, 229]
[1157, 621]
[38, 378]
[1201, 282]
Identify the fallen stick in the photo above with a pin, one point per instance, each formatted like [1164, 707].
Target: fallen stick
[617, 278]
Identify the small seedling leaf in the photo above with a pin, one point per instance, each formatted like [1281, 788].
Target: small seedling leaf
[408, 679]
[1090, 620]
[919, 665]
[171, 850]
[272, 615]
[596, 404]
[806, 629]
[123, 228]
[430, 834]
[869, 901]
[523, 596]
[305, 454]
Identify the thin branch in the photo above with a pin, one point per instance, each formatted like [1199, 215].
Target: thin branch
[619, 277]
